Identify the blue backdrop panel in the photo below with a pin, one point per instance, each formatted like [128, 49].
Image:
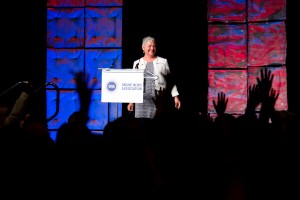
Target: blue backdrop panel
[99, 112]
[61, 63]
[101, 58]
[69, 103]
[52, 134]
[65, 27]
[115, 111]
[103, 27]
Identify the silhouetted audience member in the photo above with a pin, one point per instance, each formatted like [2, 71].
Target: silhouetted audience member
[27, 151]
[130, 167]
[79, 150]
[230, 183]
[175, 154]
[13, 110]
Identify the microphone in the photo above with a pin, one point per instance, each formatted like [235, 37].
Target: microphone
[137, 64]
[113, 63]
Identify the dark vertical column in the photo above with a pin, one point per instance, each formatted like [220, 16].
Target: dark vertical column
[293, 44]
[23, 49]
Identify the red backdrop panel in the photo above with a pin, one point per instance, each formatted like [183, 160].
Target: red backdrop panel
[104, 2]
[267, 43]
[227, 47]
[233, 83]
[266, 10]
[65, 3]
[231, 10]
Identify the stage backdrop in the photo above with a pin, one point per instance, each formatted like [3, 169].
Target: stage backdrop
[245, 36]
[85, 35]
[82, 35]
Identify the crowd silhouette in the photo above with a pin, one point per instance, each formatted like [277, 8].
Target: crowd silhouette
[177, 154]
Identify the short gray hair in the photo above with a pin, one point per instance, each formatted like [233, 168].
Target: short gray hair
[146, 39]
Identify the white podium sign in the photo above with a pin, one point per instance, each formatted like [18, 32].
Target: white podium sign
[122, 85]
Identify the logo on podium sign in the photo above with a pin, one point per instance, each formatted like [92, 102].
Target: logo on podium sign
[122, 85]
[111, 86]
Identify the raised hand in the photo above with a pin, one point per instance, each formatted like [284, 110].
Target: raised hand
[265, 82]
[269, 96]
[221, 105]
[83, 91]
[269, 103]
[254, 99]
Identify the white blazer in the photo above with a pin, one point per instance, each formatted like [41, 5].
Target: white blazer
[161, 70]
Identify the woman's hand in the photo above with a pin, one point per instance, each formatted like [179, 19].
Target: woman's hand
[177, 102]
[130, 107]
